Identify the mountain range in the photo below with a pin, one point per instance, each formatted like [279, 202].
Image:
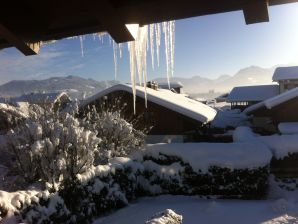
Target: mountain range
[252, 75]
[78, 87]
[75, 86]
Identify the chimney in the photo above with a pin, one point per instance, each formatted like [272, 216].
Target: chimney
[152, 85]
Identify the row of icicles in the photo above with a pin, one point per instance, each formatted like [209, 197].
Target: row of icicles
[148, 37]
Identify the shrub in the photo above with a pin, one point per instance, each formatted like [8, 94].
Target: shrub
[52, 147]
[117, 131]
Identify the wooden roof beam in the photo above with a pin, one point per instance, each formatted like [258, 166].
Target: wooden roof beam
[25, 48]
[114, 24]
[256, 12]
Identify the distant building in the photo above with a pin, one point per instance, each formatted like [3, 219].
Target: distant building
[242, 97]
[174, 85]
[222, 98]
[287, 78]
[172, 114]
[269, 113]
[59, 99]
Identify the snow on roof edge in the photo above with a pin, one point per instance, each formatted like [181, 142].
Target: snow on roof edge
[283, 73]
[203, 114]
[274, 101]
[281, 98]
[252, 93]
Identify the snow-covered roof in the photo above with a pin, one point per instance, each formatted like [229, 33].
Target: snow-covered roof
[253, 93]
[38, 98]
[274, 101]
[173, 84]
[166, 98]
[201, 156]
[285, 73]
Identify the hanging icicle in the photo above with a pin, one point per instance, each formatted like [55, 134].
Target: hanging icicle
[82, 45]
[165, 28]
[101, 36]
[157, 36]
[147, 36]
[151, 37]
[132, 59]
[172, 45]
[138, 53]
[115, 50]
[120, 50]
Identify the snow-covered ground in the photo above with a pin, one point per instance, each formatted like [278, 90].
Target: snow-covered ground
[207, 211]
[229, 118]
[281, 207]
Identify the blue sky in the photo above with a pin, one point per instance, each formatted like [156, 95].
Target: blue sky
[208, 46]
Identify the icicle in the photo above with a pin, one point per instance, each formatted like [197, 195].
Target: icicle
[157, 36]
[120, 50]
[132, 57]
[172, 45]
[169, 38]
[101, 36]
[82, 45]
[115, 50]
[151, 37]
[165, 27]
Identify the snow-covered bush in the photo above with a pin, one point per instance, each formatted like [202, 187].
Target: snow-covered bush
[227, 169]
[166, 217]
[117, 132]
[10, 117]
[52, 147]
[104, 188]
[99, 190]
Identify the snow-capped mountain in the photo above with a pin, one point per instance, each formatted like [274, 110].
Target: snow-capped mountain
[252, 75]
[75, 86]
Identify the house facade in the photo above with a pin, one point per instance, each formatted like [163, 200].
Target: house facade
[169, 113]
[286, 77]
[58, 99]
[242, 97]
[271, 112]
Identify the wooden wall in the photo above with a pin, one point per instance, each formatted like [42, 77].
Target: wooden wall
[285, 112]
[164, 121]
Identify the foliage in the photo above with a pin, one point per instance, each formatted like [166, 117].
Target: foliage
[52, 147]
[105, 188]
[117, 132]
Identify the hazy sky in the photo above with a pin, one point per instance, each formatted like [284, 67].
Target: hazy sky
[208, 46]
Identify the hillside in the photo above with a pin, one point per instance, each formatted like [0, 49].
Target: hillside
[75, 86]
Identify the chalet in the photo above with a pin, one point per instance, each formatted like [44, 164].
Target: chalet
[174, 86]
[170, 113]
[242, 97]
[287, 78]
[269, 113]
